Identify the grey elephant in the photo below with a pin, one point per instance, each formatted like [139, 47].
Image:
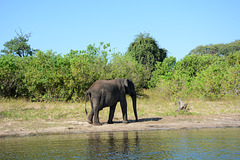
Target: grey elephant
[107, 93]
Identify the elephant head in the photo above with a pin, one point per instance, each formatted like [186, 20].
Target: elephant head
[130, 89]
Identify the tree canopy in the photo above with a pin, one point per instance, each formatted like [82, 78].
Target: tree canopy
[218, 49]
[146, 50]
[18, 46]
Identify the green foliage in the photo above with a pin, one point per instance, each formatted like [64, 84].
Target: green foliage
[163, 71]
[47, 76]
[53, 77]
[146, 51]
[209, 82]
[219, 49]
[203, 76]
[11, 76]
[18, 46]
[233, 58]
[125, 66]
[200, 74]
[217, 81]
[191, 65]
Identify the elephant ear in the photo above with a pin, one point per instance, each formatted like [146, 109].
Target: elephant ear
[126, 84]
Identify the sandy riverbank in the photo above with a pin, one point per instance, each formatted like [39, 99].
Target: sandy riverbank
[32, 128]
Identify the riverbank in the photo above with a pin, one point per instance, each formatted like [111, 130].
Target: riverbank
[33, 128]
[24, 118]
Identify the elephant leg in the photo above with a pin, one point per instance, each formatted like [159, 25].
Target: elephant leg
[111, 114]
[96, 117]
[90, 117]
[124, 110]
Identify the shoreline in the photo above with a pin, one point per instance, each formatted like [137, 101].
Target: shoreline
[37, 128]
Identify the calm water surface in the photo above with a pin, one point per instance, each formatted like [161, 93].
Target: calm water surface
[175, 144]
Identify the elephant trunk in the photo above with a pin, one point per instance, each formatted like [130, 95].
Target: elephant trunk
[134, 100]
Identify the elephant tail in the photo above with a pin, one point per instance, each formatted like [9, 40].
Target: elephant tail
[87, 93]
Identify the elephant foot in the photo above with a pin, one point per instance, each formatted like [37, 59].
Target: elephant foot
[97, 124]
[125, 122]
[89, 121]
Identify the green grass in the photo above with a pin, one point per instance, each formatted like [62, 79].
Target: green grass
[149, 105]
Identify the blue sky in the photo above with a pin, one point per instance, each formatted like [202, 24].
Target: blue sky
[178, 25]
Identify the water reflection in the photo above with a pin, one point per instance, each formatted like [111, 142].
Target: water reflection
[113, 144]
[181, 144]
[128, 145]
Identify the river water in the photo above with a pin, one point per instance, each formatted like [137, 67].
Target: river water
[160, 144]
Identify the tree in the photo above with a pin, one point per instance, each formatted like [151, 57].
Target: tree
[146, 50]
[218, 49]
[18, 46]
[125, 66]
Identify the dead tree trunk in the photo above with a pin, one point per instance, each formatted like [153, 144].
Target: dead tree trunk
[182, 105]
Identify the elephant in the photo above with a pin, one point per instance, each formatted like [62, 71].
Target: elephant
[107, 93]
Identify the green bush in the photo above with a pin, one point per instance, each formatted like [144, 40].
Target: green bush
[203, 76]
[125, 66]
[220, 79]
[231, 86]
[54, 77]
[47, 76]
[208, 83]
[163, 71]
[11, 76]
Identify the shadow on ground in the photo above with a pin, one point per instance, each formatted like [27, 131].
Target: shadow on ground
[139, 120]
[148, 119]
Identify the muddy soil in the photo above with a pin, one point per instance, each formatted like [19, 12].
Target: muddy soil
[32, 128]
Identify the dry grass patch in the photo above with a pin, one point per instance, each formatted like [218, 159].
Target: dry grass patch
[149, 105]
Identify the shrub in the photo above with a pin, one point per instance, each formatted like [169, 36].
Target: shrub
[204, 76]
[163, 71]
[125, 66]
[208, 83]
[45, 76]
[11, 76]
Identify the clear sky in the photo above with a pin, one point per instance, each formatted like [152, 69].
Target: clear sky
[178, 25]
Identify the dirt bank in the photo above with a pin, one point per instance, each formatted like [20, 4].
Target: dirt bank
[31, 128]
